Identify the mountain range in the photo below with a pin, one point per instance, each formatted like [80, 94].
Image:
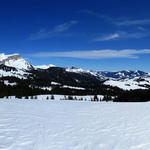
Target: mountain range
[50, 77]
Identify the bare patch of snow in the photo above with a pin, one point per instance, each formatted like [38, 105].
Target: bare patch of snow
[46, 88]
[6, 82]
[19, 74]
[44, 66]
[75, 70]
[73, 87]
[55, 83]
[127, 84]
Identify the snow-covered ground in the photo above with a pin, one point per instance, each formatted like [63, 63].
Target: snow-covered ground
[18, 74]
[73, 125]
[44, 66]
[128, 84]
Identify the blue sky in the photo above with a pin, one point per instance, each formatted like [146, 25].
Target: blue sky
[91, 34]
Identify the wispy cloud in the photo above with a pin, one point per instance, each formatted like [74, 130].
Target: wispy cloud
[119, 21]
[107, 37]
[132, 22]
[141, 28]
[98, 15]
[44, 34]
[135, 35]
[96, 54]
[123, 35]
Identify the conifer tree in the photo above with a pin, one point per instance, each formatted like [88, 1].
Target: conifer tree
[52, 97]
[26, 97]
[95, 98]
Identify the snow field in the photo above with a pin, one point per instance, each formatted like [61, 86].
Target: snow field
[73, 125]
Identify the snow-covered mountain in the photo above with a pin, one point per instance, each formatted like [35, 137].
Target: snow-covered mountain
[44, 66]
[16, 66]
[124, 74]
[75, 69]
[125, 79]
[130, 84]
[15, 61]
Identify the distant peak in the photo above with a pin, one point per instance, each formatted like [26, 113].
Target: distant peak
[4, 56]
[74, 69]
[127, 70]
[44, 66]
[14, 60]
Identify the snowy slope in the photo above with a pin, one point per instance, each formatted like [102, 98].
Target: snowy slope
[19, 67]
[74, 69]
[44, 66]
[15, 60]
[71, 125]
[18, 74]
[124, 74]
[125, 84]
[3, 56]
[125, 79]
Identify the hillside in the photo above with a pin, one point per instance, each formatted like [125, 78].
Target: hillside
[19, 76]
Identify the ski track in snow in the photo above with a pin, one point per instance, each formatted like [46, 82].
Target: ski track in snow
[72, 125]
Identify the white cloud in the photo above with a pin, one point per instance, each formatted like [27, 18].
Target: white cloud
[108, 37]
[123, 35]
[96, 54]
[64, 27]
[98, 15]
[135, 35]
[44, 34]
[121, 21]
[132, 22]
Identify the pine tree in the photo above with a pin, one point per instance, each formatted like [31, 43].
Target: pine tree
[100, 99]
[52, 97]
[26, 97]
[81, 99]
[95, 98]
[75, 98]
[104, 98]
[70, 97]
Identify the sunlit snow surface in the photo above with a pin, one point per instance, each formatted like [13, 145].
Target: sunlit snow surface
[44, 66]
[129, 84]
[73, 125]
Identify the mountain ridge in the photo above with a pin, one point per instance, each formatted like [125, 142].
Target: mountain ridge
[16, 66]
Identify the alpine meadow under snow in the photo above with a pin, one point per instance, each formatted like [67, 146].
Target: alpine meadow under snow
[73, 125]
